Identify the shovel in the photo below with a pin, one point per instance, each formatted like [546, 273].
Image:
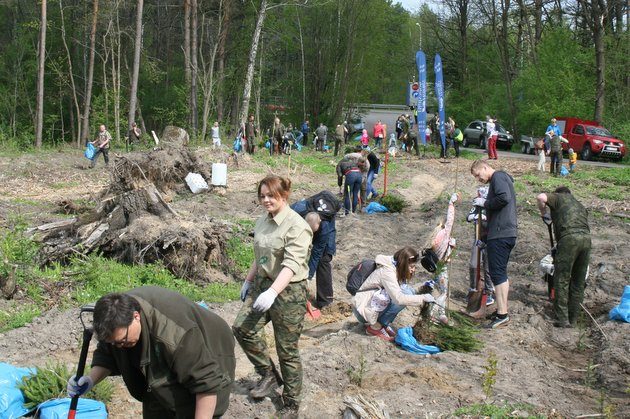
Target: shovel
[551, 292]
[87, 337]
[476, 306]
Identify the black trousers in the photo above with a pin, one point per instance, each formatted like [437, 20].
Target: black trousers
[324, 281]
[456, 145]
[104, 152]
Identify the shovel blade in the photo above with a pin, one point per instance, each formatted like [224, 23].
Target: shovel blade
[476, 307]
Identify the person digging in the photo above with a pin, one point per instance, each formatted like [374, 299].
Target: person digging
[174, 356]
[573, 250]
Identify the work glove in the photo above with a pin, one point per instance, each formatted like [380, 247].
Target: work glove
[428, 298]
[245, 289]
[375, 176]
[77, 388]
[479, 202]
[547, 219]
[265, 300]
[429, 284]
[454, 198]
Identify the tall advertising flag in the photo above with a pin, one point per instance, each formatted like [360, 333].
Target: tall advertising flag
[439, 92]
[421, 106]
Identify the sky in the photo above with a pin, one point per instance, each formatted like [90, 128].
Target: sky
[411, 5]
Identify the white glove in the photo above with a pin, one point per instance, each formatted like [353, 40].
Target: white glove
[375, 175]
[75, 388]
[265, 300]
[454, 198]
[245, 289]
[479, 202]
[428, 298]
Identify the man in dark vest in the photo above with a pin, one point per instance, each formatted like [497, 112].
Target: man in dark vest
[573, 250]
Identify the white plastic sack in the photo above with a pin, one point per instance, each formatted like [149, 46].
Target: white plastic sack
[546, 265]
[196, 182]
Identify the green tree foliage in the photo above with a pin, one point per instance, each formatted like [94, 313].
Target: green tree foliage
[355, 51]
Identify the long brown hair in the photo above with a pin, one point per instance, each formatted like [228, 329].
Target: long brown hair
[279, 186]
[405, 258]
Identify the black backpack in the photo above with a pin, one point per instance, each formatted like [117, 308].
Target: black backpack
[358, 274]
[325, 203]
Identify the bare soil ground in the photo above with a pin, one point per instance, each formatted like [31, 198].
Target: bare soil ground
[562, 372]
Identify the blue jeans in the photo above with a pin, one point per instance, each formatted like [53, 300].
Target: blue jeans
[391, 311]
[370, 189]
[352, 186]
[389, 314]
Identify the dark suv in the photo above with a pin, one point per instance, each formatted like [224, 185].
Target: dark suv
[475, 133]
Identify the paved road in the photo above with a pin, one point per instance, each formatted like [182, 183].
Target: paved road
[389, 117]
[535, 158]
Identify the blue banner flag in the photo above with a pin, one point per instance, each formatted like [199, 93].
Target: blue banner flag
[439, 92]
[421, 106]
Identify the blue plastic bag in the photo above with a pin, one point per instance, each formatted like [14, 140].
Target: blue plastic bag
[267, 144]
[405, 339]
[298, 146]
[90, 151]
[86, 409]
[564, 171]
[11, 398]
[622, 311]
[374, 207]
[237, 145]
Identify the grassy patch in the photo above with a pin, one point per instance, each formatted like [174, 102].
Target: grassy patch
[469, 155]
[319, 163]
[614, 193]
[18, 316]
[63, 185]
[519, 410]
[98, 276]
[240, 253]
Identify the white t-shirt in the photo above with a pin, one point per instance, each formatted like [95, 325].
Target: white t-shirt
[215, 132]
[491, 128]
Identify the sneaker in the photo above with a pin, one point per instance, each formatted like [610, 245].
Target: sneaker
[490, 300]
[379, 333]
[265, 385]
[498, 322]
[390, 331]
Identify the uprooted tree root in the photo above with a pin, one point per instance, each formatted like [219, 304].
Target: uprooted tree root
[135, 224]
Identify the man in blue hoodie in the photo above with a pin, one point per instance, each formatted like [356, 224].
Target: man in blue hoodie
[500, 206]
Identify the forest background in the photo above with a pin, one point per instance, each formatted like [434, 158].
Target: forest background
[69, 65]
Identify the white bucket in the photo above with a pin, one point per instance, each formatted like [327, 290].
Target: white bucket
[219, 174]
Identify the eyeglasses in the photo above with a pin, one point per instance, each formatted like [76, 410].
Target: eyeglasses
[119, 343]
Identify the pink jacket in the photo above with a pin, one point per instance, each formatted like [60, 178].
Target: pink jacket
[365, 139]
[442, 243]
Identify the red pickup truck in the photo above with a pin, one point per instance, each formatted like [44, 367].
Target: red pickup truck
[589, 139]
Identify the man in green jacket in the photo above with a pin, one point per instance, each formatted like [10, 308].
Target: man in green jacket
[174, 356]
[573, 251]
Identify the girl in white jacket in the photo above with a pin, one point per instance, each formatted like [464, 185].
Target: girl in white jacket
[385, 293]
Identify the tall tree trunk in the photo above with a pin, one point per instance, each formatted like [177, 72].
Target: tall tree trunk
[223, 35]
[115, 45]
[133, 98]
[251, 62]
[90, 76]
[303, 66]
[599, 11]
[259, 87]
[187, 67]
[193, 65]
[41, 60]
[76, 136]
[538, 9]
[207, 80]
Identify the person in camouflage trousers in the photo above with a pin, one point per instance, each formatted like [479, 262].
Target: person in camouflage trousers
[275, 290]
[573, 251]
